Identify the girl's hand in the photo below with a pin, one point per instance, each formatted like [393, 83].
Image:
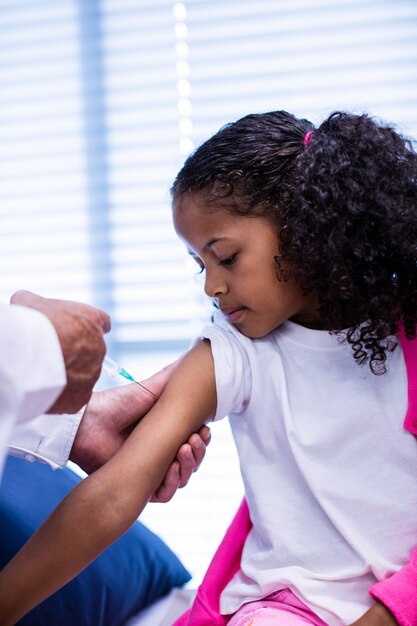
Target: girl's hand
[377, 615]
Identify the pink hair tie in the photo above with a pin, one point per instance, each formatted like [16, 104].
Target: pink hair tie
[307, 137]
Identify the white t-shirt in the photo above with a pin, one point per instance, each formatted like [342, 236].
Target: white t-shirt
[32, 375]
[329, 471]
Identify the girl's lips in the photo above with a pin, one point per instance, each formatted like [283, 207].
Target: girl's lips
[235, 314]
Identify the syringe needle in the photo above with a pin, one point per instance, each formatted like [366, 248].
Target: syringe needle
[113, 369]
[146, 389]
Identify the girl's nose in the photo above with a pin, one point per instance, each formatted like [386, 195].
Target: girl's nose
[214, 285]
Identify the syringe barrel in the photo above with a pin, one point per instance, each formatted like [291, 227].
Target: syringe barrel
[110, 366]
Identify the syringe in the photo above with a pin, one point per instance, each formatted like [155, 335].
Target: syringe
[113, 369]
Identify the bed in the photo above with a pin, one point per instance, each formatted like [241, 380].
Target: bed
[165, 611]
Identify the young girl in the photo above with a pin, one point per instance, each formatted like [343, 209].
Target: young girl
[307, 238]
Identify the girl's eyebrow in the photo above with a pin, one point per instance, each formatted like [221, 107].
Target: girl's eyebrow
[211, 242]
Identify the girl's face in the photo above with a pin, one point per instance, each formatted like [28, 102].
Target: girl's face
[237, 255]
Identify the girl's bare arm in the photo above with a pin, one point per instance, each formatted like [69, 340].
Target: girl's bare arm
[104, 505]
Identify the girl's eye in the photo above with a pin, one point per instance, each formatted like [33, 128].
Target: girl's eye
[229, 261]
[201, 270]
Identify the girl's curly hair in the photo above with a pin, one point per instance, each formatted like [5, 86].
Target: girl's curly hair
[345, 208]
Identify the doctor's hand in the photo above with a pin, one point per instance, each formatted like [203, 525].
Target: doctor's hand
[80, 329]
[110, 417]
[377, 615]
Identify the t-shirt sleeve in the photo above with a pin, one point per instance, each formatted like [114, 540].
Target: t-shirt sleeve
[231, 365]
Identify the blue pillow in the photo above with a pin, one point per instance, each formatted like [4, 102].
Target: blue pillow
[132, 573]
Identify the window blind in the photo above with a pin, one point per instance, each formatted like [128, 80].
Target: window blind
[309, 57]
[100, 103]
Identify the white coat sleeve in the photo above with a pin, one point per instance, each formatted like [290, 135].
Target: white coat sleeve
[47, 438]
[32, 369]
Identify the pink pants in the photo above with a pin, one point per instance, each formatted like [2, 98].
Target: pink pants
[281, 608]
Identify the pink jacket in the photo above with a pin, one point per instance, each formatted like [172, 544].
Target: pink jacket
[398, 592]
